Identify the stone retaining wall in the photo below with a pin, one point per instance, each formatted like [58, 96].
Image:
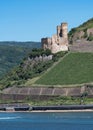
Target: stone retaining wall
[54, 91]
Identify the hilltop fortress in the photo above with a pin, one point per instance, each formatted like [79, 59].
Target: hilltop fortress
[58, 42]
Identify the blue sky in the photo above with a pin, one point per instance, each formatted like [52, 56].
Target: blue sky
[30, 20]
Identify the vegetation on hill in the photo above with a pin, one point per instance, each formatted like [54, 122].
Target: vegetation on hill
[75, 68]
[86, 25]
[35, 64]
[61, 100]
[12, 53]
[57, 100]
[82, 31]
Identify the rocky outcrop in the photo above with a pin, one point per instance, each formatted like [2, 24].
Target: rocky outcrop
[78, 36]
[81, 38]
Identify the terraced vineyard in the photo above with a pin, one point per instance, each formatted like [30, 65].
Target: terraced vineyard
[75, 68]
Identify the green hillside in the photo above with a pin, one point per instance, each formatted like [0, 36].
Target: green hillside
[83, 27]
[32, 66]
[82, 33]
[75, 68]
[12, 53]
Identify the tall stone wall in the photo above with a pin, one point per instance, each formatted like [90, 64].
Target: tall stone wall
[64, 30]
[59, 41]
[48, 91]
[46, 43]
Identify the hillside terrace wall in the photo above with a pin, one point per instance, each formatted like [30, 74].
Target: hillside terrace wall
[63, 91]
[81, 46]
[44, 93]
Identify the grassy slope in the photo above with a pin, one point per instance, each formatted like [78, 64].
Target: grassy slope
[76, 68]
[60, 100]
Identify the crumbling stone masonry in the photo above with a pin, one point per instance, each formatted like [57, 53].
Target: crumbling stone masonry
[58, 42]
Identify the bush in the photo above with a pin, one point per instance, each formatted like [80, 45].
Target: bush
[58, 55]
[39, 52]
[73, 30]
[8, 84]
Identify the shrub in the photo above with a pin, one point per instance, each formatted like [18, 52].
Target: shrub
[73, 30]
[58, 55]
[38, 52]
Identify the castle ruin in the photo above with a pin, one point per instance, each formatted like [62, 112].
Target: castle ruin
[58, 42]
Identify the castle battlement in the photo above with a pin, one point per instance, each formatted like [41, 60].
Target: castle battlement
[59, 41]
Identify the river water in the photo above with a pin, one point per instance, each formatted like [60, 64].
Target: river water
[46, 121]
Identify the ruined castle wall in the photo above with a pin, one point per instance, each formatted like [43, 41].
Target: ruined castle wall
[59, 44]
[64, 30]
[59, 41]
[58, 30]
[46, 43]
[57, 48]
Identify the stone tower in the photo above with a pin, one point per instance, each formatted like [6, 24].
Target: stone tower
[64, 30]
[58, 42]
[58, 31]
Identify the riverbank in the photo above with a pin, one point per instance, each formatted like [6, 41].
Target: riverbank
[29, 108]
[52, 111]
[62, 111]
